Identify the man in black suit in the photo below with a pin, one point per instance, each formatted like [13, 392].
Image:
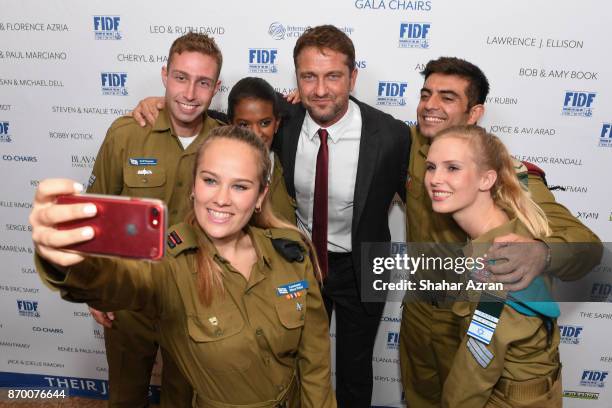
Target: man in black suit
[356, 157]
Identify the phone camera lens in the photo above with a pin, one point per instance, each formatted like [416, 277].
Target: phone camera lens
[155, 216]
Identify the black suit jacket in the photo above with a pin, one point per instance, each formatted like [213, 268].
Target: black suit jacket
[384, 151]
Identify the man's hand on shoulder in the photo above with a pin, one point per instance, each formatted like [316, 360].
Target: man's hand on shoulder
[526, 259]
[147, 110]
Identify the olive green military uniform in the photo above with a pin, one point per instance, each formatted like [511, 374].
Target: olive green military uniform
[282, 204]
[255, 346]
[428, 335]
[144, 162]
[519, 367]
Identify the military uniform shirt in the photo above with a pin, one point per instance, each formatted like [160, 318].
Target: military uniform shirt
[249, 347]
[283, 204]
[519, 351]
[148, 162]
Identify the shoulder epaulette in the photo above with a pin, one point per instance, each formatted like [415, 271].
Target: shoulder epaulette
[535, 170]
[124, 121]
[524, 168]
[219, 117]
[288, 243]
[521, 173]
[180, 238]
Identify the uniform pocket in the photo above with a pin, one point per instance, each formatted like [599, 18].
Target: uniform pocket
[291, 312]
[143, 181]
[205, 330]
[218, 334]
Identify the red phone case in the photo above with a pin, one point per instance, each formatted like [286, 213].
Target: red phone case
[123, 226]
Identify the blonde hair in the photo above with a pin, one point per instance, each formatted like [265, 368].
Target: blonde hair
[490, 153]
[209, 275]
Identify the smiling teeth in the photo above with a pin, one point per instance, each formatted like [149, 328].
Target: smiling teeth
[442, 194]
[432, 119]
[189, 107]
[220, 215]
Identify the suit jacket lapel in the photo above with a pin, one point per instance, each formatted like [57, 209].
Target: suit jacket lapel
[366, 165]
[291, 135]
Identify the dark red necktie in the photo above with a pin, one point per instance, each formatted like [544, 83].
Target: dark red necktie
[319, 209]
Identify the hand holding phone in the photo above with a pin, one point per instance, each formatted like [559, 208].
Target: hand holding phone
[123, 226]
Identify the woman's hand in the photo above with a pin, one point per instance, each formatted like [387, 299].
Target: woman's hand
[46, 214]
[147, 110]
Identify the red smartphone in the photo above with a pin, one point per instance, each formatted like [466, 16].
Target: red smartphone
[123, 226]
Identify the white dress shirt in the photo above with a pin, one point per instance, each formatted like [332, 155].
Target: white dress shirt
[343, 146]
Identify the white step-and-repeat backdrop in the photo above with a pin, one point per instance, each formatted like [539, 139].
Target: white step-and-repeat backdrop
[69, 68]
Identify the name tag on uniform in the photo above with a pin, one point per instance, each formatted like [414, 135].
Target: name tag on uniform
[485, 318]
[292, 290]
[143, 161]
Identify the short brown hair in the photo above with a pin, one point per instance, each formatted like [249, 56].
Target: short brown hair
[478, 85]
[326, 36]
[194, 42]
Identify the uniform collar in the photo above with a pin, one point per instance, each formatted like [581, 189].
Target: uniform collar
[420, 142]
[257, 237]
[163, 123]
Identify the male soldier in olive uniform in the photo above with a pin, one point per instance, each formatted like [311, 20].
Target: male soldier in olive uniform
[454, 93]
[156, 161]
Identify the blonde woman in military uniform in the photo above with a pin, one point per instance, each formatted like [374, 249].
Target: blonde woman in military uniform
[470, 175]
[237, 299]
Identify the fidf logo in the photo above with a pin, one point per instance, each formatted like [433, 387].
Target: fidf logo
[28, 308]
[605, 139]
[392, 340]
[601, 292]
[578, 103]
[113, 83]
[107, 27]
[263, 60]
[5, 136]
[593, 378]
[391, 93]
[570, 334]
[414, 35]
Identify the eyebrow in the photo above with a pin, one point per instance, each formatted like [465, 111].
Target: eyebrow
[334, 72]
[217, 176]
[443, 91]
[446, 161]
[178, 71]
